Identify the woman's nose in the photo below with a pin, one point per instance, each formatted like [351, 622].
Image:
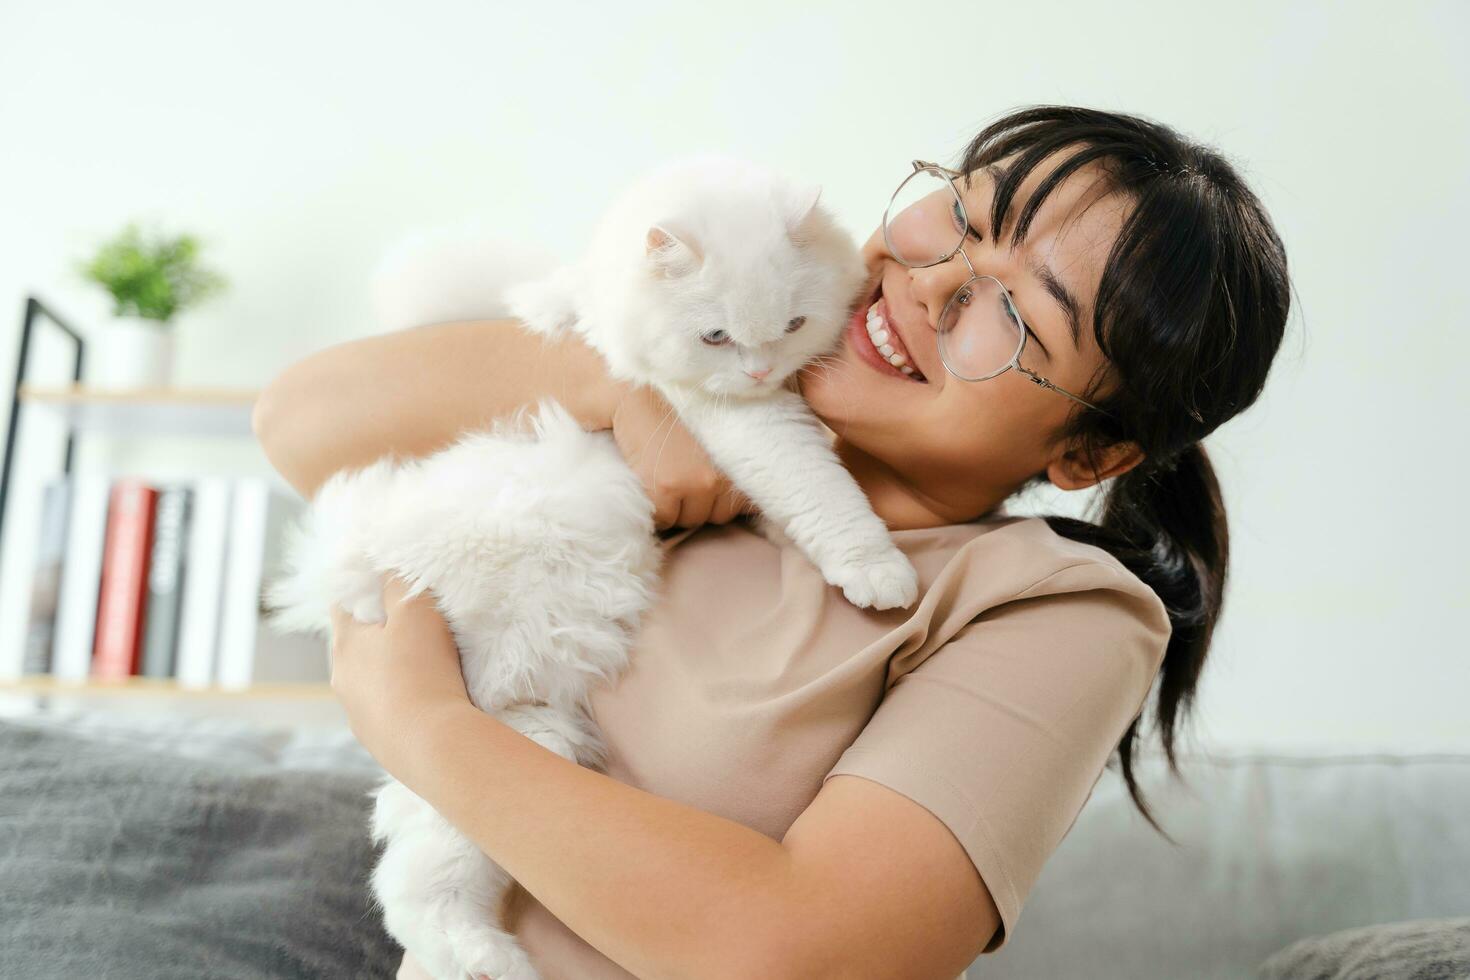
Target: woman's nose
[932, 287]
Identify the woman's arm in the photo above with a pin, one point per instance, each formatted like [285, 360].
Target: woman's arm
[415, 391]
[865, 883]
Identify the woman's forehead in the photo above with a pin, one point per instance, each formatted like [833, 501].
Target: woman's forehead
[1073, 230]
[1087, 196]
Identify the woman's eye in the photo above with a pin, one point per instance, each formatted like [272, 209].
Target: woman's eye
[716, 338]
[795, 324]
[961, 223]
[1007, 308]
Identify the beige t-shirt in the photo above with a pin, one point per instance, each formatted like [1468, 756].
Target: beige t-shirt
[994, 702]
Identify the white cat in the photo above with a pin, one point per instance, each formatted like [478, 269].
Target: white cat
[539, 544]
[713, 280]
[539, 548]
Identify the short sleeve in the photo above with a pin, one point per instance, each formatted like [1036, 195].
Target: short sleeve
[1003, 731]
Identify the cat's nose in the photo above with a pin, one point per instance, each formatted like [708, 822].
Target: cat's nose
[759, 375]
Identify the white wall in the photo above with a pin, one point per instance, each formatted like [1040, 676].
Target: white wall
[301, 138]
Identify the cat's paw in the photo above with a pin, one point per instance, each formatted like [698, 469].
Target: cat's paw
[434, 954]
[493, 954]
[368, 608]
[884, 581]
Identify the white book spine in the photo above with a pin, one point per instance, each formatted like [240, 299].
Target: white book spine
[240, 618]
[81, 576]
[204, 571]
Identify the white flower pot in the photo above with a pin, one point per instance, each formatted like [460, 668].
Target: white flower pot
[131, 352]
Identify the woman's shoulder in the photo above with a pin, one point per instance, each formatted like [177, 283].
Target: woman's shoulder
[966, 568]
[1022, 547]
[1004, 558]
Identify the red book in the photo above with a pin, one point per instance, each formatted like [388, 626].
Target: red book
[124, 591]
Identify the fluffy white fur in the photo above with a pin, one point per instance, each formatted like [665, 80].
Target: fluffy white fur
[538, 542]
[539, 548]
[456, 271]
[715, 248]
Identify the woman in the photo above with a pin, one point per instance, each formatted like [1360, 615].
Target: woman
[797, 787]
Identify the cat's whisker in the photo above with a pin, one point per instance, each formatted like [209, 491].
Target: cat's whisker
[831, 365]
[658, 426]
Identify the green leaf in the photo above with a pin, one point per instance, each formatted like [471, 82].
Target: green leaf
[154, 276]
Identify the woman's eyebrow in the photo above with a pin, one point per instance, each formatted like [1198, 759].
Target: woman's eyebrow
[1048, 279]
[1064, 298]
[992, 171]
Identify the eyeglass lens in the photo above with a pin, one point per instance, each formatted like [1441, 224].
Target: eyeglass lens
[979, 330]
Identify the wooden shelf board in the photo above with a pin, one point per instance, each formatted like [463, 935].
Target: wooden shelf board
[147, 411]
[160, 687]
[172, 396]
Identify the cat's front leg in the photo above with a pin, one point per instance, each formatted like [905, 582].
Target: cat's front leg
[547, 305]
[775, 452]
[327, 560]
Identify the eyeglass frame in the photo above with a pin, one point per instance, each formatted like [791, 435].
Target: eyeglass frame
[1015, 361]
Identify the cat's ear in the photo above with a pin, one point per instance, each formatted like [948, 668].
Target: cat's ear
[670, 255]
[800, 204]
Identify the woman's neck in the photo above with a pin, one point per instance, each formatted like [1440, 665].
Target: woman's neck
[904, 506]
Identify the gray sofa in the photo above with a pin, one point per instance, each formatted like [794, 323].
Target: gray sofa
[1271, 849]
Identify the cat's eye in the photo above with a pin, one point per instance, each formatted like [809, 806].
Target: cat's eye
[795, 324]
[716, 338]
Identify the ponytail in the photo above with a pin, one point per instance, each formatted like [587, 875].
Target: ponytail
[1191, 307]
[1166, 524]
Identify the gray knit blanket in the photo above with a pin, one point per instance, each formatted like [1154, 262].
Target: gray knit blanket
[117, 862]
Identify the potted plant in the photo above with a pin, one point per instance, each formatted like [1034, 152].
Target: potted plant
[152, 278]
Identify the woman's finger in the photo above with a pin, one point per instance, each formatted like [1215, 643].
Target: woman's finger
[395, 591]
[343, 627]
[665, 511]
[727, 506]
[695, 510]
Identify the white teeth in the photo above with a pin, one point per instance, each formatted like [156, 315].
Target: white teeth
[878, 333]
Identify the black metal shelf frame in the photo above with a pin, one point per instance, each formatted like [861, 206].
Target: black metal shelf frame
[36, 312]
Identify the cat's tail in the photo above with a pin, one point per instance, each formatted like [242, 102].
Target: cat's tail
[451, 272]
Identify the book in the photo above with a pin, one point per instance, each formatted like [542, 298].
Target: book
[46, 580]
[81, 576]
[165, 581]
[117, 646]
[199, 617]
[259, 515]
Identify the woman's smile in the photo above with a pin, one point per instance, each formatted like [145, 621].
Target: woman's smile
[877, 341]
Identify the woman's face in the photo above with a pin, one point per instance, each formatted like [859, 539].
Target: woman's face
[962, 447]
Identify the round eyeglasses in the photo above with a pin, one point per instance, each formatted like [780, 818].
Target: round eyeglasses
[981, 334]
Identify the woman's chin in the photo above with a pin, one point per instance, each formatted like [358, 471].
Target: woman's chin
[834, 389]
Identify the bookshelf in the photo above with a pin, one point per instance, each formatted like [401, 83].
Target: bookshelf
[147, 411]
[134, 414]
[158, 687]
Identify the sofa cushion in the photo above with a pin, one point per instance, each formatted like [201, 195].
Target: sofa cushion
[117, 861]
[1271, 848]
[1426, 949]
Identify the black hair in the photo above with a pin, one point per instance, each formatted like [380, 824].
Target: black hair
[1190, 312]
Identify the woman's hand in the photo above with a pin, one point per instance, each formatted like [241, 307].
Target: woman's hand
[394, 678]
[677, 475]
